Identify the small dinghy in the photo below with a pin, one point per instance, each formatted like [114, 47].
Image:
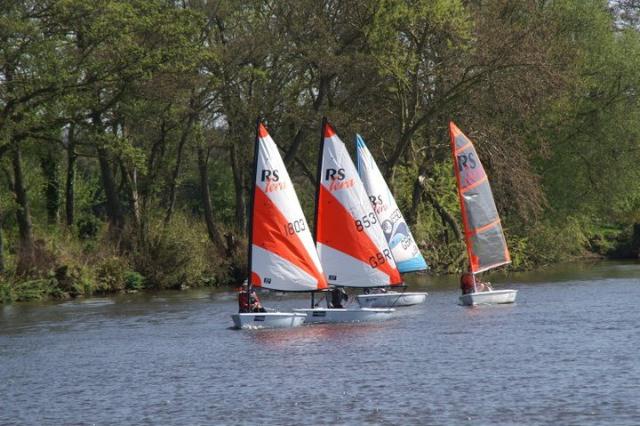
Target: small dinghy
[252, 320]
[491, 297]
[282, 256]
[334, 315]
[351, 245]
[483, 235]
[403, 247]
[391, 299]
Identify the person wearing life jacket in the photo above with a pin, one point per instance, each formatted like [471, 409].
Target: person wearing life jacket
[337, 296]
[466, 284]
[248, 301]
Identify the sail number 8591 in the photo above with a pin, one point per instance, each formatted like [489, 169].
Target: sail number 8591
[366, 221]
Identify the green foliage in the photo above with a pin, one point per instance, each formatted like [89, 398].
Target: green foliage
[110, 274]
[548, 91]
[134, 280]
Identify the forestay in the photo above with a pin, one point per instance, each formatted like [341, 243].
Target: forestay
[404, 249]
[485, 240]
[283, 255]
[350, 241]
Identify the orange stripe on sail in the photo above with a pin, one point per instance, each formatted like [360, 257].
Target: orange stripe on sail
[337, 229]
[481, 229]
[328, 130]
[463, 147]
[262, 132]
[454, 129]
[268, 226]
[473, 185]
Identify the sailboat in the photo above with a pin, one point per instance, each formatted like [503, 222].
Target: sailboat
[486, 245]
[282, 255]
[403, 247]
[352, 248]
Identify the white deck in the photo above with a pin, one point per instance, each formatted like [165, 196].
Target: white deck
[391, 299]
[326, 315]
[255, 320]
[493, 297]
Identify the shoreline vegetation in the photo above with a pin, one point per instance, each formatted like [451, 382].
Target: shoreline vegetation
[127, 127]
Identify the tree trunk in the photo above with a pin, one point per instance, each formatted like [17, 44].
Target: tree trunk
[69, 191]
[1, 247]
[176, 170]
[215, 236]
[23, 215]
[114, 209]
[239, 192]
[50, 170]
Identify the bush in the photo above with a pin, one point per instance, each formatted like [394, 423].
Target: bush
[110, 274]
[133, 281]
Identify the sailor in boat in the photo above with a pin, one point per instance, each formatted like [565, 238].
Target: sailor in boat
[336, 297]
[248, 301]
[467, 284]
[374, 290]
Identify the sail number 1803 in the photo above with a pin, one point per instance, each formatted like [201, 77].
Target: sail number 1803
[295, 227]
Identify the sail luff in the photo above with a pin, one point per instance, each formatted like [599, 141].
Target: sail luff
[465, 222]
[256, 147]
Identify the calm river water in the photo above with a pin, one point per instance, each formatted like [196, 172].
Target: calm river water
[567, 353]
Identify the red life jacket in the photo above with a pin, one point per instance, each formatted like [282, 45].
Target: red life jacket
[243, 301]
[466, 283]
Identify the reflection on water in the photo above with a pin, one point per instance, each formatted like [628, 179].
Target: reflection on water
[566, 353]
[319, 333]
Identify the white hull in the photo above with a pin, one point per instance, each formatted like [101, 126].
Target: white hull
[390, 299]
[254, 320]
[325, 315]
[493, 297]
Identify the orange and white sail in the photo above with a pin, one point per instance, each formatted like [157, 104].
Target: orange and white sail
[282, 254]
[486, 245]
[352, 247]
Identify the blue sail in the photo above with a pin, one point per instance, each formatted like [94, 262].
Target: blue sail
[403, 247]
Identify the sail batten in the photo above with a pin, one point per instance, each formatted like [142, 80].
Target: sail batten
[282, 253]
[486, 244]
[351, 244]
[403, 246]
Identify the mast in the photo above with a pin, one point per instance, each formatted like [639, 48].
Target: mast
[318, 179]
[317, 198]
[251, 200]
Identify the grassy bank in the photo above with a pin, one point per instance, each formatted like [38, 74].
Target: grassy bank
[180, 256]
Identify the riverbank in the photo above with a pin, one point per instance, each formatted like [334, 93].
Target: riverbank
[62, 287]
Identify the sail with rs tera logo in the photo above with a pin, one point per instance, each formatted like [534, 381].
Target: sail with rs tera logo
[282, 255]
[352, 247]
[486, 244]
